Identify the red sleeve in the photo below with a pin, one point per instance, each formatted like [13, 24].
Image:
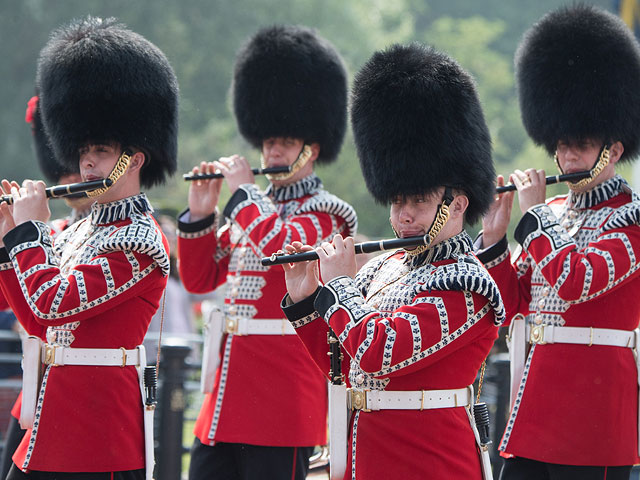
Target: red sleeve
[203, 254]
[513, 279]
[11, 297]
[313, 331]
[414, 336]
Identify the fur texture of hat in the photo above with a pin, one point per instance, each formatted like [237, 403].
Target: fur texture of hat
[418, 125]
[578, 77]
[100, 82]
[290, 82]
[49, 166]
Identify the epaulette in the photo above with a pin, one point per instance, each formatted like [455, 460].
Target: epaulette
[624, 216]
[325, 202]
[142, 235]
[466, 274]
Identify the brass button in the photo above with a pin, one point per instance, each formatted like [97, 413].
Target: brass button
[538, 319]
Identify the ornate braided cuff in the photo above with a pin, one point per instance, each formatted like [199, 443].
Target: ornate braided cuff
[188, 229]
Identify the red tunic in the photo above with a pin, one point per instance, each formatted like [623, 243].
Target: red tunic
[57, 226]
[579, 267]
[267, 391]
[97, 286]
[423, 322]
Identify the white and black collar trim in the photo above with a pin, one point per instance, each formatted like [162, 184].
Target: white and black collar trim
[453, 247]
[305, 186]
[598, 194]
[103, 213]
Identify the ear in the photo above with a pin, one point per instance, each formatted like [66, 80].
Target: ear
[315, 151]
[615, 152]
[458, 206]
[137, 162]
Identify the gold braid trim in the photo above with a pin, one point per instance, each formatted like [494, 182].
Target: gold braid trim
[118, 170]
[442, 216]
[301, 161]
[602, 162]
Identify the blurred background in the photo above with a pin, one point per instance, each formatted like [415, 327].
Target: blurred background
[201, 37]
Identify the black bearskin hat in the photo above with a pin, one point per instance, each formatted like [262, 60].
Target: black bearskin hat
[290, 82]
[100, 82]
[418, 125]
[50, 167]
[578, 74]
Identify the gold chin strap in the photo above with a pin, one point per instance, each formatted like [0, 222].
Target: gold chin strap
[603, 161]
[441, 218]
[118, 170]
[301, 161]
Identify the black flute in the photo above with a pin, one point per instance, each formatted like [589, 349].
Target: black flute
[365, 247]
[70, 189]
[189, 177]
[567, 177]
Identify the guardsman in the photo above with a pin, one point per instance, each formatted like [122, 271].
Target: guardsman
[572, 292]
[108, 99]
[415, 325]
[266, 404]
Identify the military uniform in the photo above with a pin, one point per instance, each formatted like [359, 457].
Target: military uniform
[90, 293]
[414, 325]
[267, 406]
[570, 292]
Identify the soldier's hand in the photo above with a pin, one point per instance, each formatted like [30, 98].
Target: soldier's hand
[532, 187]
[30, 202]
[204, 194]
[496, 220]
[301, 278]
[337, 258]
[236, 171]
[6, 210]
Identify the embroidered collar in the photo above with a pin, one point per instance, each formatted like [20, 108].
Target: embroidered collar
[598, 194]
[102, 213]
[305, 186]
[450, 248]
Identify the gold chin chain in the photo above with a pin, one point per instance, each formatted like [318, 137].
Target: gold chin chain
[301, 161]
[118, 170]
[602, 162]
[442, 216]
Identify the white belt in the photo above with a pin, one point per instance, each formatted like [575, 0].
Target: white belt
[256, 326]
[116, 357]
[372, 400]
[543, 334]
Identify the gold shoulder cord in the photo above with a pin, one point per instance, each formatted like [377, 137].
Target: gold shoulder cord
[118, 170]
[301, 161]
[602, 162]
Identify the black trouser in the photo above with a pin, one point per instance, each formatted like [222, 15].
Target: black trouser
[524, 469]
[238, 461]
[13, 439]
[16, 474]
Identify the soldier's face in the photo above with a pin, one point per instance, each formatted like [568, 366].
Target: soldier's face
[97, 161]
[578, 156]
[281, 151]
[412, 215]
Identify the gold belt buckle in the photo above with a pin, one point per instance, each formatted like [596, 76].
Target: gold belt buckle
[231, 325]
[50, 355]
[537, 335]
[359, 400]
